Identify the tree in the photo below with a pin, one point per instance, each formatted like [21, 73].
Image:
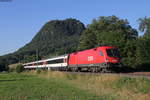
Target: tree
[87, 40]
[144, 25]
[111, 31]
[2, 64]
[142, 54]
[19, 68]
[143, 44]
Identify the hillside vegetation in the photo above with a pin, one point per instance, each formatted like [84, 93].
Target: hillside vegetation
[56, 37]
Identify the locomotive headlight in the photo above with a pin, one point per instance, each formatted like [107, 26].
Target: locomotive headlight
[114, 60]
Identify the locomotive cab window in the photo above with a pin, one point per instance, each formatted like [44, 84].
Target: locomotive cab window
[101, 53]
[112, 52]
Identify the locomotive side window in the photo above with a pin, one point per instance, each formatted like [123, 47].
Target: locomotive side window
[101, 53]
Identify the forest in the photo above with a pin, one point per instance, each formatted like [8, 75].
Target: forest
[58, 37]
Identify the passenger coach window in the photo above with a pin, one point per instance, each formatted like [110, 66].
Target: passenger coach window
[55, 61]
[101, 53]
[40, 63]
[29, 65]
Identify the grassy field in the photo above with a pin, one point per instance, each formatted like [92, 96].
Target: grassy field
[64, 86]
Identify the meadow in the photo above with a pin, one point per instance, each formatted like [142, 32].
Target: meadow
[47, 85]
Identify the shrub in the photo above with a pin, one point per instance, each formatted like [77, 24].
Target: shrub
[71, 76]
[38, 71]
[12, 70]
[19, 68]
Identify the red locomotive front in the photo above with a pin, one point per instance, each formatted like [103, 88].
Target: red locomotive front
[99, 58]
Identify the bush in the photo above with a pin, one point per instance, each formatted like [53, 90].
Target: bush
[12, 70]
[19, 68]
[71, 76]
[38, 71]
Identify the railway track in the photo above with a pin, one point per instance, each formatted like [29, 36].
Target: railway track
[132, 75]
[137, 74]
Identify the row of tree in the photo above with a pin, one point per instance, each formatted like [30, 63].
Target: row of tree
[134, 49]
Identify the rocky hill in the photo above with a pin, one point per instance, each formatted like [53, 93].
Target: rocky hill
[56, 37]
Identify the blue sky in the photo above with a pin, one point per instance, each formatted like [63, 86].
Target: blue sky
[20, 20]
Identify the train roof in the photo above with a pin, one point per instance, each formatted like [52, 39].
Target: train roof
[107, 47]
[49, 59]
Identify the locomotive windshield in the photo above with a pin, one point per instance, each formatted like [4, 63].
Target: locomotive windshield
[113, 52]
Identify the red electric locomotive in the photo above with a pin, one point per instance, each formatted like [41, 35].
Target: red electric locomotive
[100, 59]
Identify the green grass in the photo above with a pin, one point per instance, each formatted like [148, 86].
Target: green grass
[31, 87]
[64, 86]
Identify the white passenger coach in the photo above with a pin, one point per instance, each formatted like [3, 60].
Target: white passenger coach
[55, 62]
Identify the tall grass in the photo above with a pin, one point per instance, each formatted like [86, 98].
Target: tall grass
[115, 86]
[30, 87]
